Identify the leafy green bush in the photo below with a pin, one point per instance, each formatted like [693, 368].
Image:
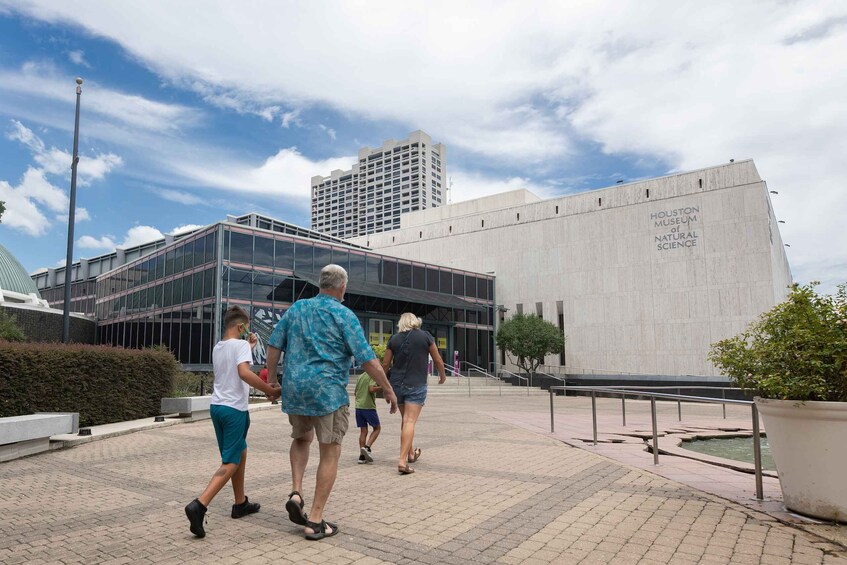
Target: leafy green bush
[9, 329]
[796, 351]
[189, 384]
[104, 384]
[529, 339]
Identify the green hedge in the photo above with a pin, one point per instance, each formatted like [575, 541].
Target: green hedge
[104, 384]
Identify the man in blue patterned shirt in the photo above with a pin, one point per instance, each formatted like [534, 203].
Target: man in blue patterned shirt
[319, 337]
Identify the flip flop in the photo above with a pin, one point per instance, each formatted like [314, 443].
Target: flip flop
[405, 470]
[417, 455]
[320, 530]
[295, 511]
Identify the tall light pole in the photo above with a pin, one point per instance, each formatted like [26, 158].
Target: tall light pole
[66, 317]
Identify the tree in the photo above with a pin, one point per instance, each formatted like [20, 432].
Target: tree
[529, 339]
[2, 209]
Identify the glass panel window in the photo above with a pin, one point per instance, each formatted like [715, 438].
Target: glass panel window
[458, 284]
[168, 294]
[179, 259]
[374, 272]
[323, 257]
[209, 283]
[263, 253]
[284, 254]
[303, 257]
[404, 275]
[389, 272]
[240, 248]
[357, 267]
[186, 288]
[211, 250]
[169, 263]
[432, 279]
[341, 258]
[197, 286]
[446, 285]
[240, 284]
[189, 255]
[263, 287]
[283, 289]
[470, 286]
[419, 277]
[177, 299]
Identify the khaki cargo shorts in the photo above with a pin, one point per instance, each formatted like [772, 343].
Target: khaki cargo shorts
[329, 428]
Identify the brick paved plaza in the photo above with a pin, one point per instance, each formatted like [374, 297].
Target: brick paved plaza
[485, 491]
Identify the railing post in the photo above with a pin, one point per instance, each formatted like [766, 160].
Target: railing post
[757, 452]
[552, 393]
[679, 405]
[623, 408]
[655, 431]
[469, 383]
[723, 404]
[594, 415]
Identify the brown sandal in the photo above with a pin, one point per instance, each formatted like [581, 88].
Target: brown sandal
[405, 470]
[417, 455]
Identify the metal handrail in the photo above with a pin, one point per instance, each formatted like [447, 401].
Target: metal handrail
[474, 368]
[518, 376]
[584, 371]
[623, 391]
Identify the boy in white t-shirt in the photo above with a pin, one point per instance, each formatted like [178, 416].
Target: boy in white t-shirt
[231, 358]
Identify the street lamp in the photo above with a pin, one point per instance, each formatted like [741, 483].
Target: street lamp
[66, 317]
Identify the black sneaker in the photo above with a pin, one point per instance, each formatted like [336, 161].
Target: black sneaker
[362, 460]
[196, 512]
[365, 453]
[245, 508]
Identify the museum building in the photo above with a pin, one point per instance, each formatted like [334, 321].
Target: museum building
[640, 277]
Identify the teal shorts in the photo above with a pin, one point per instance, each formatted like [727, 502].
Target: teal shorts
[231, 427]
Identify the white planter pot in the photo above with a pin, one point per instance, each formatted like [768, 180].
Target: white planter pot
[808, 442]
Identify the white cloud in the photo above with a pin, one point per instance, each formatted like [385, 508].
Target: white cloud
[692, 86]
[58, 162]
[77, 57]
[470, 185]
[34, 189]
[329, 131]
[288, 173]
[186, 228]
[178, 196]
[136, 235]
[89, 242]
[43, 81]
[21, 212]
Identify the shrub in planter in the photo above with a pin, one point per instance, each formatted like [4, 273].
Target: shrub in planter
[797, 350]
[795, 357]
[104, 384]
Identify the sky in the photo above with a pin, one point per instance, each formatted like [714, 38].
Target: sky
[193, 110]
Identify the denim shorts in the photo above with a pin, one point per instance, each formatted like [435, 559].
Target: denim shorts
[410, 394]
[367, 417]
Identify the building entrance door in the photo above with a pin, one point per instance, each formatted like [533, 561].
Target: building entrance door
[442, 341]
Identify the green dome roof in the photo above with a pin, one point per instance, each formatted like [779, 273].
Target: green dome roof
[13, 276]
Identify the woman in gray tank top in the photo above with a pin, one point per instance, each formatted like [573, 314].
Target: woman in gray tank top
[409, 350]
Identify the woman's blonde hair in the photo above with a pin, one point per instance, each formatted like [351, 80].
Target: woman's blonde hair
[408, 321]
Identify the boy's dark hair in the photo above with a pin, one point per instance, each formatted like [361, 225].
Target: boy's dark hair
[235, 315]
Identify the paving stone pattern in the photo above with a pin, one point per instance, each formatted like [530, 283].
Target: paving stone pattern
[484, 492]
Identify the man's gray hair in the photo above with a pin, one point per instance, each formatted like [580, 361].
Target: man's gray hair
[333, 276]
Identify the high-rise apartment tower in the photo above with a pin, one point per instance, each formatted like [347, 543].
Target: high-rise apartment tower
[399, 177]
